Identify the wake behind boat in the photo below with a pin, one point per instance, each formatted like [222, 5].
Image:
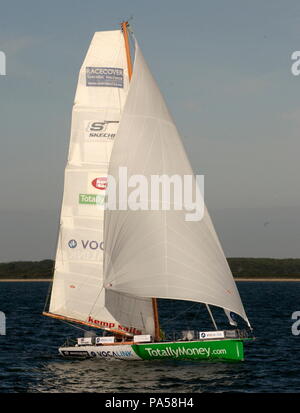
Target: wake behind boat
[113, 263]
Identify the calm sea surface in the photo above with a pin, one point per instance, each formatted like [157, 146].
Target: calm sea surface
[29, 361]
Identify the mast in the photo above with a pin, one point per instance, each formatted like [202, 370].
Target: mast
[124, 26]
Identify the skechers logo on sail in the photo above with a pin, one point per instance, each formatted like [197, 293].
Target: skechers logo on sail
[104, 77]
[105, 130]
[86, 244]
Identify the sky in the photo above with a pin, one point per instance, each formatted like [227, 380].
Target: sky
[224, 69]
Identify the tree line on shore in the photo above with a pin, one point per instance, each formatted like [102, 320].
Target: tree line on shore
[240, 267]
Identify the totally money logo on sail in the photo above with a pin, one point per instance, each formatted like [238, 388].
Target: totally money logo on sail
[97, 131]
[91, 199]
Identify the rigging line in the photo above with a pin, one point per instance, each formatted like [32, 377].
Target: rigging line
[211, 316]
[119, 89]
[72, 325]
[164, 212]
[141, 314]
[197, 315]
[49, 291]
[115, 59]
[182, 312]
[96, 299]
[58, 240]
[132, 43]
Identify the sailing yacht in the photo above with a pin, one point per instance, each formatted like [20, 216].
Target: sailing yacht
[112, 264]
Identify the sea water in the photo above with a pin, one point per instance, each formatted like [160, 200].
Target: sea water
[29, 361]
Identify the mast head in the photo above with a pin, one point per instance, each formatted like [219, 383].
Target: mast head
[125, 24]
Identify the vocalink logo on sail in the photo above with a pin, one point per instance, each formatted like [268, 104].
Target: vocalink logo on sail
[72, 243]
[85, 249]
[86, 244]
[2, 64]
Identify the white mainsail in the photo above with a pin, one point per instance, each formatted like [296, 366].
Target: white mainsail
[77, 291]
[159, 253]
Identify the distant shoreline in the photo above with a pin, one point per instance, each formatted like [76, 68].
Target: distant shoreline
[25, 279]
[243, 269]
[258, 279]
[267, 279]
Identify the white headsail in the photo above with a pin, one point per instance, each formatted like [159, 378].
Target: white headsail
[78, 291]
[159, 253]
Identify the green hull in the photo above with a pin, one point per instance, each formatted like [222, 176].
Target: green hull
[192, 350]
[227, 350]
